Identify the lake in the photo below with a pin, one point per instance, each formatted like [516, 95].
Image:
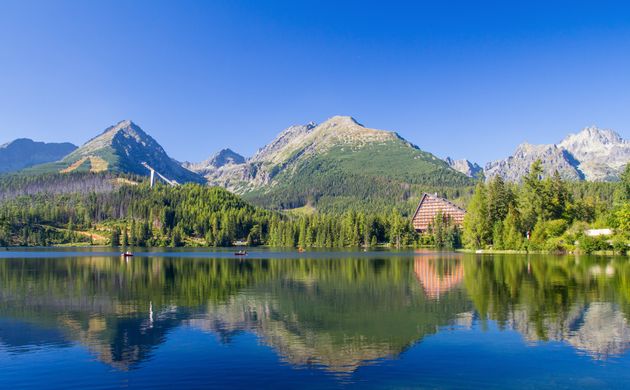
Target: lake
[192, 319]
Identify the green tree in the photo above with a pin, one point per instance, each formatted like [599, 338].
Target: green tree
[125, 237]
[512, 236]
[532, 197]
[477, 232]
[625, 184]
[115, 236]
[558, 197]
[499, 199]
[176, 237]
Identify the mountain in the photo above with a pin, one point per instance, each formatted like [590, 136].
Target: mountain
[602, 154]
[123, 148]
[517, 165]
[23, 153]
[218, 167]
[466, 167]
[592, 154]
[213, 163]
[338, 160]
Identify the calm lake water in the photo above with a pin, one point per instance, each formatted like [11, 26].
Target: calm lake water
[72, 319]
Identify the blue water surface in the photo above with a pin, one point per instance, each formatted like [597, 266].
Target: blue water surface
[78, 319]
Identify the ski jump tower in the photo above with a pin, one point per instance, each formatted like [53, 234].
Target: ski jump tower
[154, 173]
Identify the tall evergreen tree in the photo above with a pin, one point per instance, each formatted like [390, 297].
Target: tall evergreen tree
[114, 239]
[532, 197]
[477, 231]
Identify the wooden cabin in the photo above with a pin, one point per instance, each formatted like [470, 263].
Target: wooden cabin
[430, 206]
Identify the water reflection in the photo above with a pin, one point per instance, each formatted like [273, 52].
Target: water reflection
[338, 314]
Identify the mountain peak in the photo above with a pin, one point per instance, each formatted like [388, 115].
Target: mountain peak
[289, 136]
[126, 126]
[217, 160]
[125, 147]
[464, 166]
[592, 136]
[24, 153]
[17, 141]
[601, 153]
[593, 154]
[125, 123]
[342, 120]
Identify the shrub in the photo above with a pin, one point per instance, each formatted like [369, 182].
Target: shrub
[556, 227]
[620, 244]
[556, 244]
[589, 244]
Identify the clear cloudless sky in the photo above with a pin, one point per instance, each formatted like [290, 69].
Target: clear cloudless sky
[467, 79]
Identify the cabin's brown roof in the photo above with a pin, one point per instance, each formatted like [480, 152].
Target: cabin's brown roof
[429, 206]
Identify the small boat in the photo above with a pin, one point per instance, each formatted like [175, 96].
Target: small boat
[240, 253]
[127, 254]
[301, 250]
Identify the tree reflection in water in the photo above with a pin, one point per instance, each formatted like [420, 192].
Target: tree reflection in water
[338, 314]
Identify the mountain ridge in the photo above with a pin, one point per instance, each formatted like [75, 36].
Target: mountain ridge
[123, 147]
[468, 168]
[24, 153]
[336, 158]
[593, 154]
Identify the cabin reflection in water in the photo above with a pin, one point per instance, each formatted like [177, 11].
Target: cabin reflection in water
[438, 275]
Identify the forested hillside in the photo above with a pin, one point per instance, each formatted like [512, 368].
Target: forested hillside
[370, 178]
[15, 185]
[100, 208]
[137, 215]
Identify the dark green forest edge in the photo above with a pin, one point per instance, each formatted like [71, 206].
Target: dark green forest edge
[107, 209]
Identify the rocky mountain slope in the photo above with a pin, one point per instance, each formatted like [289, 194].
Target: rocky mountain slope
[464, 166]
[601, 154]
[517, 165]
[23, 153]
[213, 163]
[338, 158]
[124, 148]
[592, 154]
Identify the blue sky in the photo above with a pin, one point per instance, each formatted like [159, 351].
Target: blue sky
[465, 79]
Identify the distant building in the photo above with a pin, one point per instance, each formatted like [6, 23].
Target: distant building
[598, 232]
[430, 206]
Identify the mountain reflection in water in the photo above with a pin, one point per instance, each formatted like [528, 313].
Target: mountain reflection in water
[337, 314]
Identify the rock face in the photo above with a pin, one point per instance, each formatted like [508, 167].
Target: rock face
[23, 153]
[218, 160]
[466, 167]
[123, 148]
[220, 168]
[601, 154]
[552, 157]
[339, 157]
[592, 154]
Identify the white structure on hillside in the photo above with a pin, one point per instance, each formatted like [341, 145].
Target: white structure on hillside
[598, 232]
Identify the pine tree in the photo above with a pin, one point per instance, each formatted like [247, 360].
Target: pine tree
[500, 198]
[133, 238]
[532, 199]
[559, 197]
[497, 235]
[512, 237]
[176, 237]
[477, 232]
[625, 184]
[115, 236]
